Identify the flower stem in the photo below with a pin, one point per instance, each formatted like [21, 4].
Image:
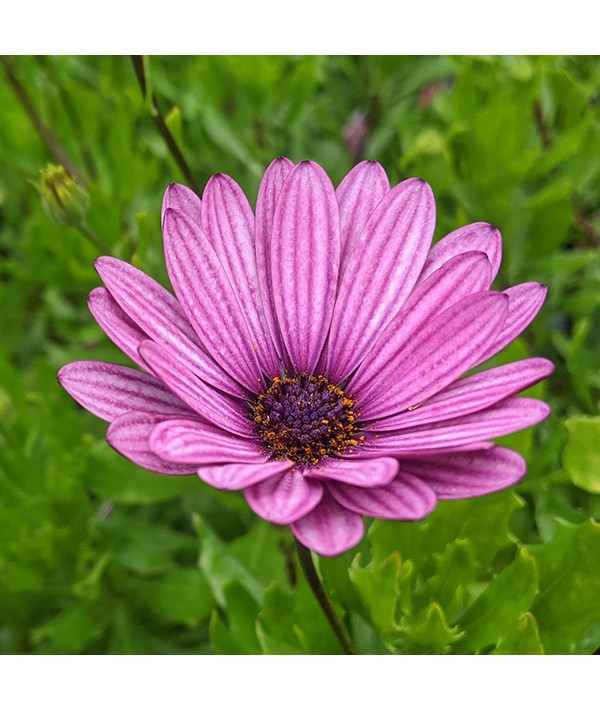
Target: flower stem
[308, 568]
[159, 120]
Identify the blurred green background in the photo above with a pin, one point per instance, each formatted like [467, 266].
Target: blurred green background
[99, 556]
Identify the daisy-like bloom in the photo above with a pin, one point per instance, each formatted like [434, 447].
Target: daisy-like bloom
[313, 353]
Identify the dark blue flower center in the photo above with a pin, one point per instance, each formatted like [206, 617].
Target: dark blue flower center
[305, 418]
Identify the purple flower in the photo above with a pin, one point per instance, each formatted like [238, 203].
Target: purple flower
[312, 354]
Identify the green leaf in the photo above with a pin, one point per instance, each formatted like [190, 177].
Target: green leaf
[524, 640]
[581, 456]
[428, 633]
[238, 636]
[567, 605]
[500, 606]
[378, 586]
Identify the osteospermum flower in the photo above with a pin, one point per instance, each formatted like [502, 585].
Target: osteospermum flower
[313, 353]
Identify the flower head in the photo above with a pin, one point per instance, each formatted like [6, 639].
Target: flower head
[313, 353]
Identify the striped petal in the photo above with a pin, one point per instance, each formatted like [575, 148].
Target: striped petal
[504, 418]
[192, 441]
[459, 476]
[524, 303]
[479, 236]
[443, 350]
[208, 299]
[471, 394]
[179, 197]
[305, 255]
[117, 325]
[285, 497]
[233, 477]
[329, 529]
[212, 405]
[108, 390]
[461, 276]
[158, 313]
[405, 498]
[380, 274]
[367, 472]
[129, 435]
[228, 222]
[357, 195]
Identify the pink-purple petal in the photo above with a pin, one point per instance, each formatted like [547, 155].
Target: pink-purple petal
[367, 472]
[129, 435]
[268, 195]
[459, 476]
[381, 273]
[329, 529]
[524, 303]
[184, 440]
[501, 419]
[461, 276]
[305, 255]
[284, 498]
[234, 477]
[212, 405]
[228, 222]
[471, 394]
[181, 198]
[443, 350]
[208, 299]
[158, 313]
[405, 498]
[479, 236]
[108, 390]
[117, 325]
[357, 195]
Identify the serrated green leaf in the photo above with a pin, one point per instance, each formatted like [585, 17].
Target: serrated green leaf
[581, 456]
[500, 606]
[525, 639]
[378, 586]
[567, 604]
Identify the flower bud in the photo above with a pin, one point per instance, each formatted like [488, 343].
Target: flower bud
[63, 199]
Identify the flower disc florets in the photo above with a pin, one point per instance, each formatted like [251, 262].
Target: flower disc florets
[305, 418]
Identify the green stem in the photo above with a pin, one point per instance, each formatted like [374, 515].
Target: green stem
[312, 577]
[159, 120]
[46, 134]
[92, 239]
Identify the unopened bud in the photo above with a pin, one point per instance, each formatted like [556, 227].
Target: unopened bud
[63, 199]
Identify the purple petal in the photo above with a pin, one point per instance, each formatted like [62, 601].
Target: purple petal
[208, 299]
[241, 476]
[471, 394]
[158, 313]
[357, 195]
[406, 498]
[524, 302]
[116, 324]
[367, 472]
[329, 529]
[380, 274]
[214, 406]
[438, 354]
[193, 441]
[371, 449]
[507, 416]
[228, 222]
[479, 236]
[129, 435]
[179, 197]
[109, 390]
[459, 476]
[268, 195]
[305, 255]
[464, 275]
[285, 497]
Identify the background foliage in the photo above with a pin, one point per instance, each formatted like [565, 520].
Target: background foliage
[98, 556]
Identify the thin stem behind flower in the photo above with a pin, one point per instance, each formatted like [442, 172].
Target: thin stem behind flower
[159, 120]
[312, 577]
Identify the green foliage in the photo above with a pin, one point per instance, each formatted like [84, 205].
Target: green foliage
[99, 556]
